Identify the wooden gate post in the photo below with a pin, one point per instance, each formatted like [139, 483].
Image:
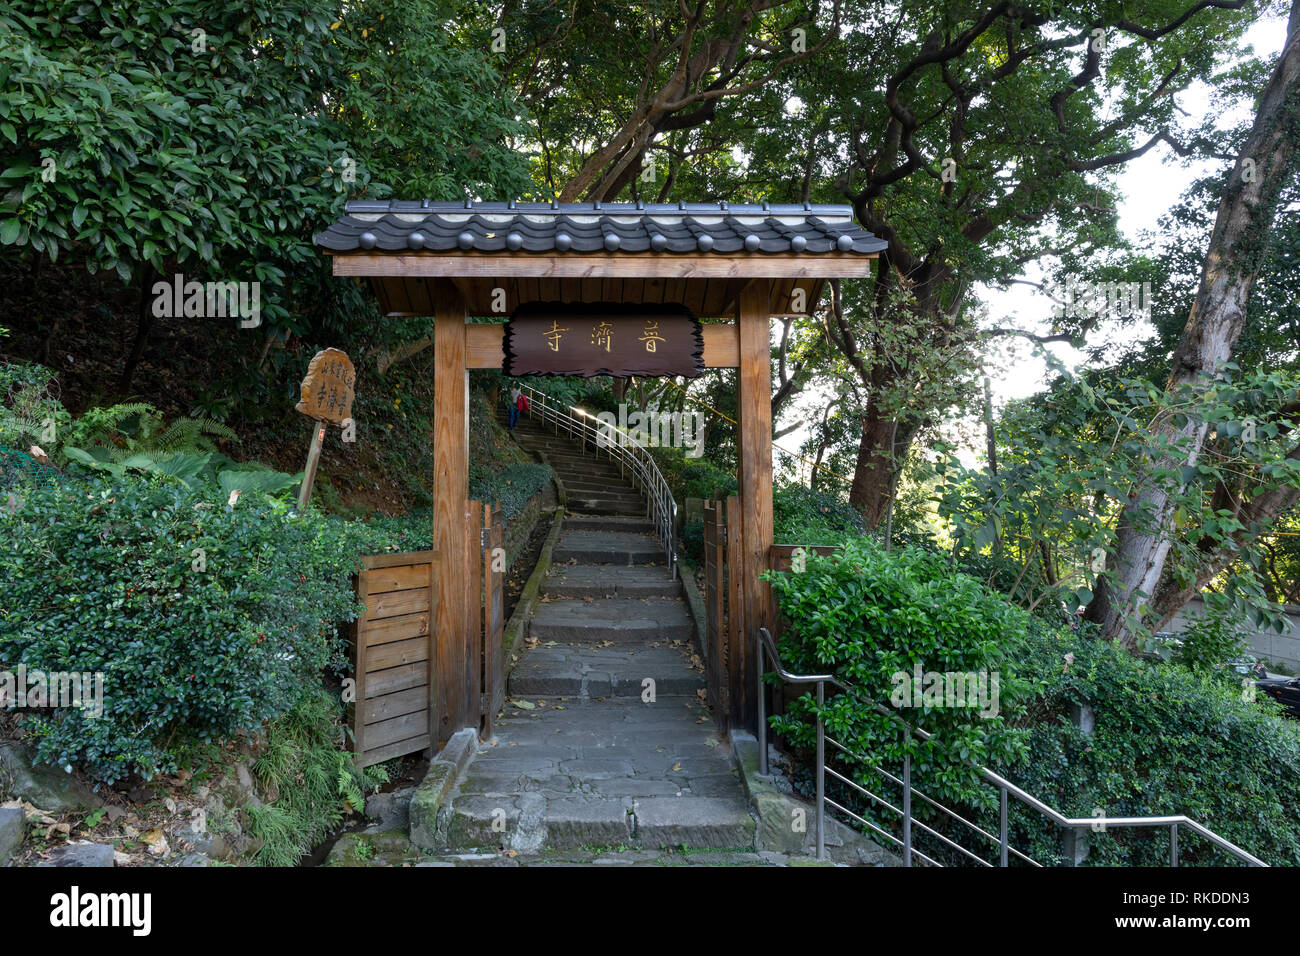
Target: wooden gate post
[754, 404]
[450, 492]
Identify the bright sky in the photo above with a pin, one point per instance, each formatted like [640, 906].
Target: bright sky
[1149, 187]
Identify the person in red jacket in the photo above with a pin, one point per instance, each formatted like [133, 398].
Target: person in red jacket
[518, 403]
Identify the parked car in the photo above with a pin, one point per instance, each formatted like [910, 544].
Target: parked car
[1284, 690]
[1245, 665]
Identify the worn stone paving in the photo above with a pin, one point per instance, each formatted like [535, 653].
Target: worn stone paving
[391, 848]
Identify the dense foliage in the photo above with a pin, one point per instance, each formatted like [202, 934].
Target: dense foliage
[867, 616]
[205, 620]
[1166, 739]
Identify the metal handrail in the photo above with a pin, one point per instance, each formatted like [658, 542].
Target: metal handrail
[633, 460]
[767, 650]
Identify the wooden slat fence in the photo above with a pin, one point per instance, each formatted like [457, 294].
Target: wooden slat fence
[392, 656]
[399, 688]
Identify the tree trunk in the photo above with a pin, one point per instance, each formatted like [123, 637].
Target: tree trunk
[876, 473]
[144, 325]
[1232, 262]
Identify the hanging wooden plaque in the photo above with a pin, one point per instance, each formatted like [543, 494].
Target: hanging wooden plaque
[603, 339]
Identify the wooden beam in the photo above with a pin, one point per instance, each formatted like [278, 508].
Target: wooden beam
[721, 345]
[829, 265]
[483, 346]
[754, 404]
[450, 493]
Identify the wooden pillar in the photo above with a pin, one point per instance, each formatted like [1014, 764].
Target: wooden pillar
[754, 403]
[450, 496]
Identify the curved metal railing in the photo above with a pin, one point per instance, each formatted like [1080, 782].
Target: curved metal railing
[1006, 789]
[633, 460]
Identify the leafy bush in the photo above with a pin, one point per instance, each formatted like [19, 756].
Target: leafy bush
[1214, 637]
[693, 477]
[804, 516]
[867, 616]
[1166, 740]
[204, 620]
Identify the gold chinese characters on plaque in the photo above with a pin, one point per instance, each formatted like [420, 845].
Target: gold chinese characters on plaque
[603, 339]
[328, 388]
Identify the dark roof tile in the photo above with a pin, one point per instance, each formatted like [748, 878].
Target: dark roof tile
[585, 228]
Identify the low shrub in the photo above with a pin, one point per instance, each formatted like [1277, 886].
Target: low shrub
[867, 616]
[205, 620]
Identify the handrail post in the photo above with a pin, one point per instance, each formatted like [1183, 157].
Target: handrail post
[672, 540]
[1173, 844]
[1002, 832]
[762, 715]
[907, 807]
[821, 768]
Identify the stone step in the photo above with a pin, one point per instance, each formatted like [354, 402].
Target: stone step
[593, 475]
[589, 487]
[624, 506]
[607, 547]
[582, 463]
[587, 481]
[581, 522]
[616, 772]
[610, 580]
[611, 619]
[586, 670]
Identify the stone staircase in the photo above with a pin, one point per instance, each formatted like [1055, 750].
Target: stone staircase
[606, 740]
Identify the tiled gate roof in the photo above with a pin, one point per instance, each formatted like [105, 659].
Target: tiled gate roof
[591, 228]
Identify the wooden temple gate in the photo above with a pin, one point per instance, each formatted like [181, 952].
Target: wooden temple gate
[729, 267]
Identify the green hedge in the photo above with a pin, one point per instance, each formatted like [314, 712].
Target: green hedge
[1166, 740]
[867, 616]
[204, 620]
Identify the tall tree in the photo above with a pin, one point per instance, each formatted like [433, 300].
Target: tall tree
[1233, 261]
[962, 194]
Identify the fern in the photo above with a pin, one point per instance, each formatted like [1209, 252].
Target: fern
[137, 428]
[193, 434]
[318, 783]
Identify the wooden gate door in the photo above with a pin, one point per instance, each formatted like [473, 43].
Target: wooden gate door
[404, 701]
[393, 660]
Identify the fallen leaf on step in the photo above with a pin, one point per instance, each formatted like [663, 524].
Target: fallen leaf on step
[677, 766]
[524, 704]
